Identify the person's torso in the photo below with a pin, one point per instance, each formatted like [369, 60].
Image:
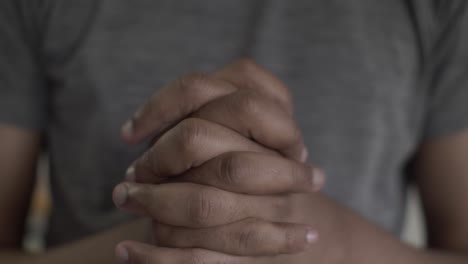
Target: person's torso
[352, 67]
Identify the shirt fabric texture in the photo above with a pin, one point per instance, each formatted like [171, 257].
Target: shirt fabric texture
[370, 81]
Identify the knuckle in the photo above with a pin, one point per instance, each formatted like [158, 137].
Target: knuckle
[295, 134]
[147, 164]
[189, 132]
[289, 243]
[197, 256]
[246, 65]
[282, 208]
[286, 98]
[268, 238]
[141, 195]
[189, 128]
[249, 236]
[200, 208]
[250, 105]
[297, 177]
[192, 83]
[283, 100]
[229, 167]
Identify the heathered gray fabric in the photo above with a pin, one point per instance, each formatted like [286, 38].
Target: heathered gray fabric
[370, 79]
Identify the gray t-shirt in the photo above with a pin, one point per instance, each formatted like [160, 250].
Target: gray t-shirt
[370, 79]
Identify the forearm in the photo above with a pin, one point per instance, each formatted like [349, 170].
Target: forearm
[348, 238]
[98, 249]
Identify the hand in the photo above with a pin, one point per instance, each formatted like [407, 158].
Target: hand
[241, 96]
[238, 201]
[223, 225]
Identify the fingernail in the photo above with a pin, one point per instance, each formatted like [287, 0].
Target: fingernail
[304, 155]
[122, 254]
[311, 236]
[130, 174]
[318, 179]
[120, 194]
[127, 129]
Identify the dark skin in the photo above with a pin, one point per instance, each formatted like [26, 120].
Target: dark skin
[215, 133]
[222, 206]
[18, 156]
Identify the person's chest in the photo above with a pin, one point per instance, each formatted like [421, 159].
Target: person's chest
[352, 67]
[334, 52]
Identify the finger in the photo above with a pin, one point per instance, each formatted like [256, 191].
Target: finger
[173, 103]
[255, 116]
[246, 74]
[187, 94]
[139, 253]
[193, 205]
[256, 174]
[245, 238]
[191, 143]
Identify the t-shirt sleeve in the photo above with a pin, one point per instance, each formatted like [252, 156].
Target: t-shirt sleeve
[22, 85]
[447, 104]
